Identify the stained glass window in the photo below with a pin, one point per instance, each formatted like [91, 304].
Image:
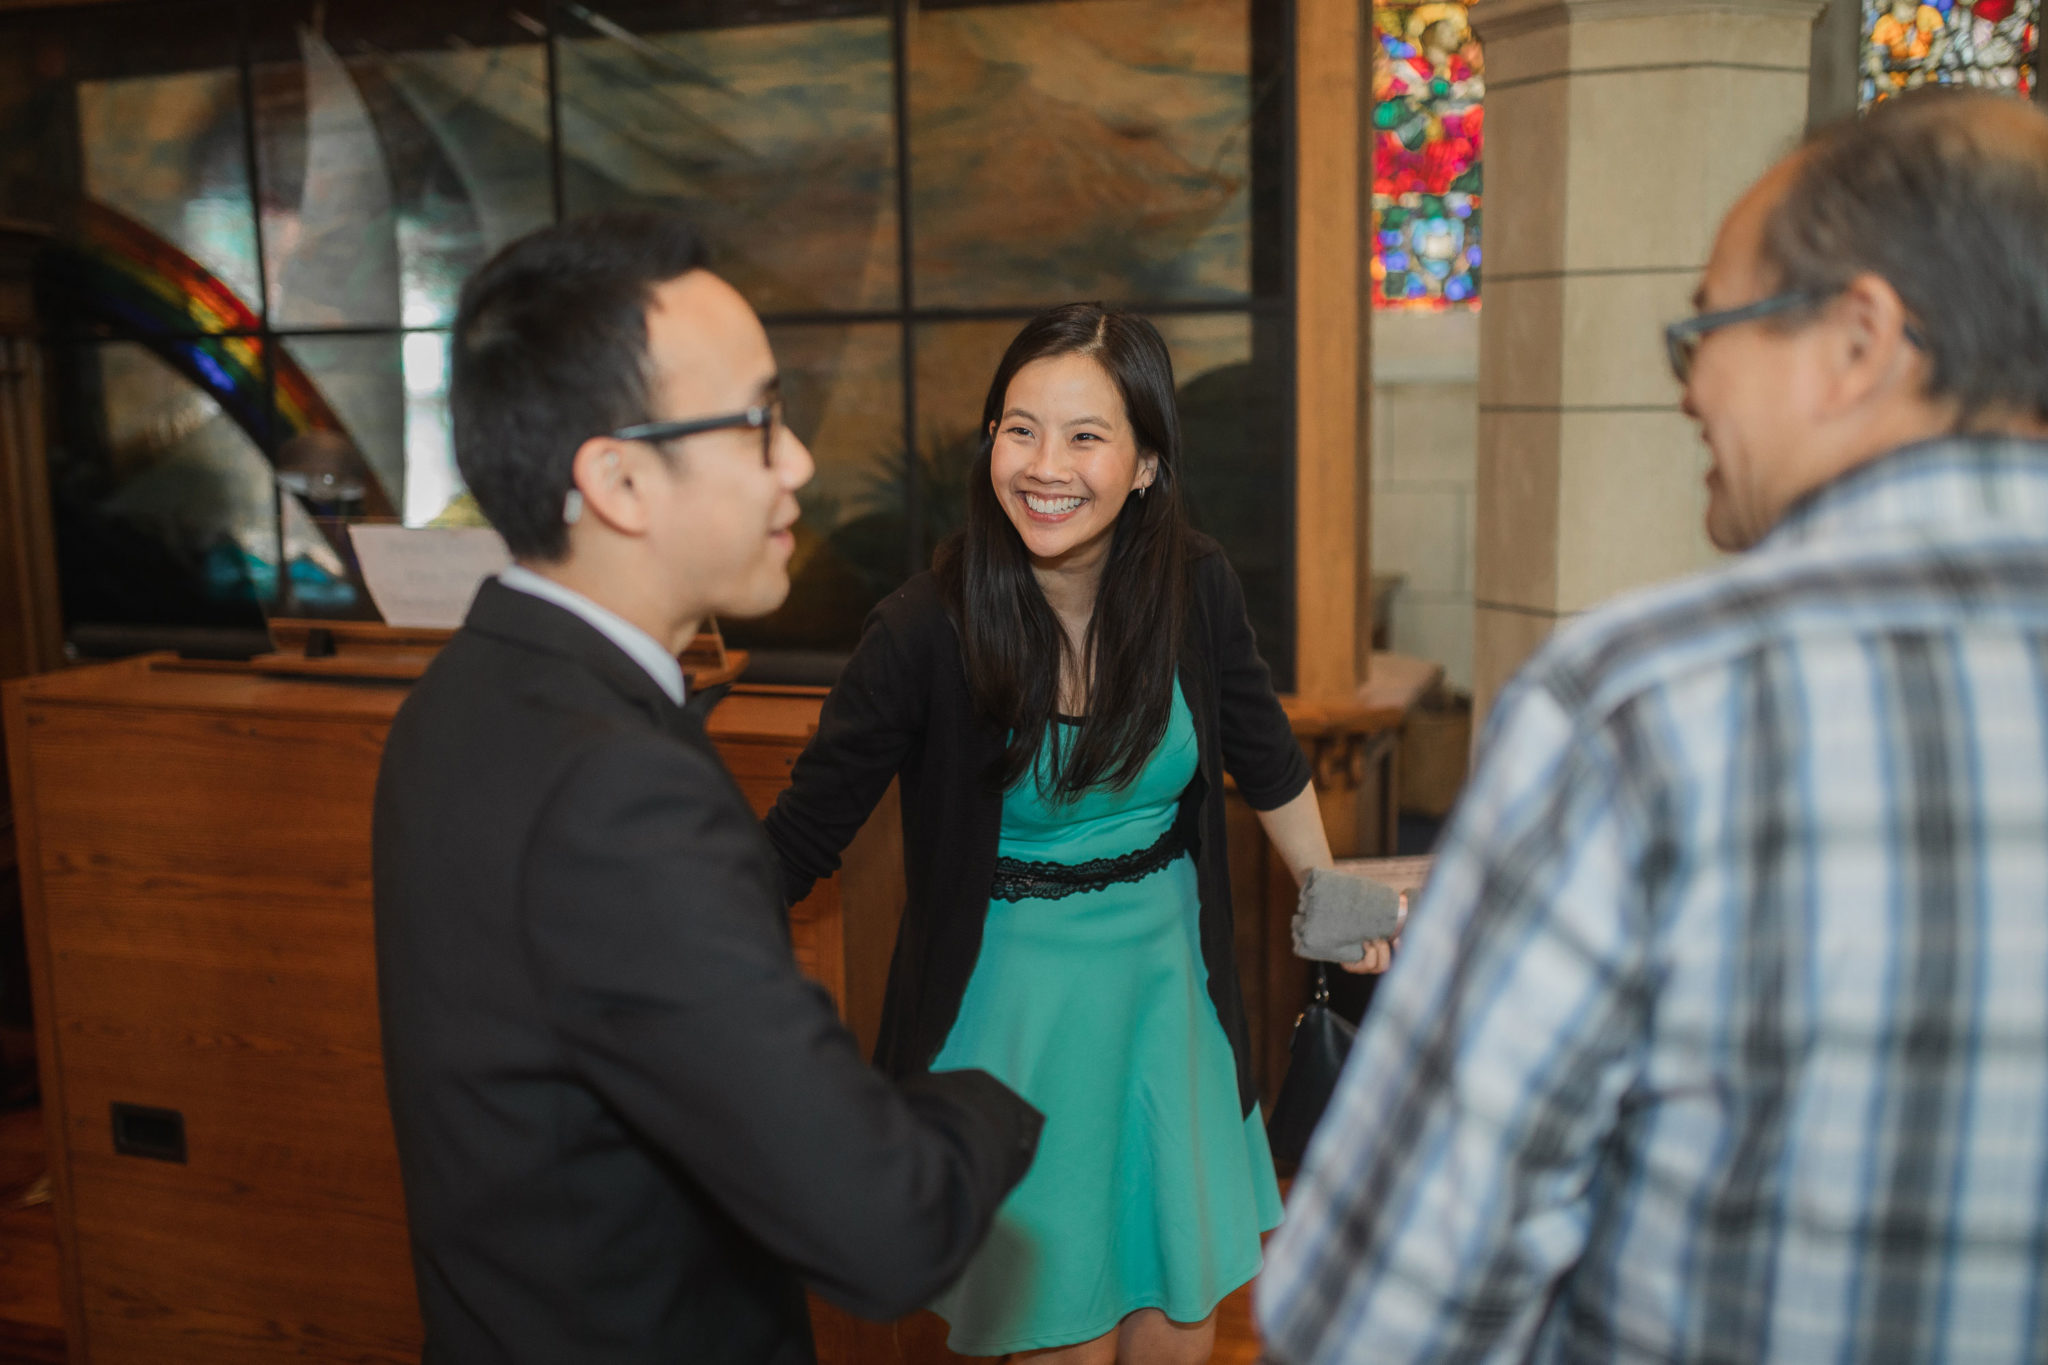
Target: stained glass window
[1429, 79]
[162, 503]
[1990, 44]
[776, 138]
[273, 204]
[1076, 151]
[392, 156]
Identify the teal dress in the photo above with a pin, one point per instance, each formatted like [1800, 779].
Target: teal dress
[1151, 1186]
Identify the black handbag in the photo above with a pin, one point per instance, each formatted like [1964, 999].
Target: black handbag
[1315, 1058]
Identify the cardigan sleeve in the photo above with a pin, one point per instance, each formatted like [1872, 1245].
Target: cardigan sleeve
[871, 721]
[1259, 748]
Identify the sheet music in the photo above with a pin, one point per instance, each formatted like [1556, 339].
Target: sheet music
[426, 575]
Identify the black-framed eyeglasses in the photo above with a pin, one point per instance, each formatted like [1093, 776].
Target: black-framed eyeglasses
[1682, 338]
[764, 417]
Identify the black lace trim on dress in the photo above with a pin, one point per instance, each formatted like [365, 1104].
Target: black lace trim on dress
[1018, 880]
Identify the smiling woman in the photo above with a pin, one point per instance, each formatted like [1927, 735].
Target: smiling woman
[1059, 563]
[1062, 696]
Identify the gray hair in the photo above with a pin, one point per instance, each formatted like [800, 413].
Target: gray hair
[1943, 193]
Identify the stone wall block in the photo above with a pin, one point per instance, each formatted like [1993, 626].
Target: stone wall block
[1501, 641]
[1436, 628]
[1630, 503]
[1521, 341]
[1612, 338]
[1432, 433]
[1747, 37]
[1419, 532]
[1515, 549]
[1526, 179]
[1657, 156]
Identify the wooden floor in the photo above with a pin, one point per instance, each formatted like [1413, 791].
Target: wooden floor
[920, 1339]
[32, 1323]
[1237, 1342]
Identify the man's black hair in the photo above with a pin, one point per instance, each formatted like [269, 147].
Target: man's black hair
[550, 349]
[1943, 193]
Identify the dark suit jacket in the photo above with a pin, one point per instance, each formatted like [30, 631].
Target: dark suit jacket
[629, 1129]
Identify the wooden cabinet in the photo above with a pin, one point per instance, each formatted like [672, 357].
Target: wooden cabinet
[195, 849]
[197, 855]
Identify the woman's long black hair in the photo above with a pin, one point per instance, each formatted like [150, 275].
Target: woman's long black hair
[1013, 643]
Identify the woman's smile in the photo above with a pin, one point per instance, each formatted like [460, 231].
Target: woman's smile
[1046, 508]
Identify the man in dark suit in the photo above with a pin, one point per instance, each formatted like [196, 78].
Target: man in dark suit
[629, 1129]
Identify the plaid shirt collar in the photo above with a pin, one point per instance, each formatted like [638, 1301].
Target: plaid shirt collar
[1948, 481]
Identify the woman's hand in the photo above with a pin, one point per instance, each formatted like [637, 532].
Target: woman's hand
[1296, 830]
[1379, 955]
[1379, 952]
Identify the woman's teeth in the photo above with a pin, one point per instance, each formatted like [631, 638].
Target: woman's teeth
[1051, 507]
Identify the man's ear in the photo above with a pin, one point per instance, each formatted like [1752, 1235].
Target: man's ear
[611, 477]
[1871, 353]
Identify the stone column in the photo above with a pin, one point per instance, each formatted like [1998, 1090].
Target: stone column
[1618, 133]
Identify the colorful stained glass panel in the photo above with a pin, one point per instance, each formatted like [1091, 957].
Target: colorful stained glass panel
[148, 123]
[1989, 44]
[363, 379]
[163, 504]
[167, 151]
[1429, 83]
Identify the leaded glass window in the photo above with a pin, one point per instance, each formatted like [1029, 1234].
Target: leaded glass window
[267, 211]
[1429, 81]
[1990, 44]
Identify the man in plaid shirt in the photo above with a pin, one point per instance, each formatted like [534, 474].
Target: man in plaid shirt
[1721, 1030]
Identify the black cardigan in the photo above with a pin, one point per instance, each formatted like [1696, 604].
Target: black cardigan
[902, 708]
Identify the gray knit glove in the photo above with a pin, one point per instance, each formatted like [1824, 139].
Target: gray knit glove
[1339, 914]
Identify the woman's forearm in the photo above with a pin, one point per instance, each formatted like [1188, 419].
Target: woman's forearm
[1296, 830]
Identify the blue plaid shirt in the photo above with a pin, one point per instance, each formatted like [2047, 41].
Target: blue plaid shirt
[1720, 1032]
